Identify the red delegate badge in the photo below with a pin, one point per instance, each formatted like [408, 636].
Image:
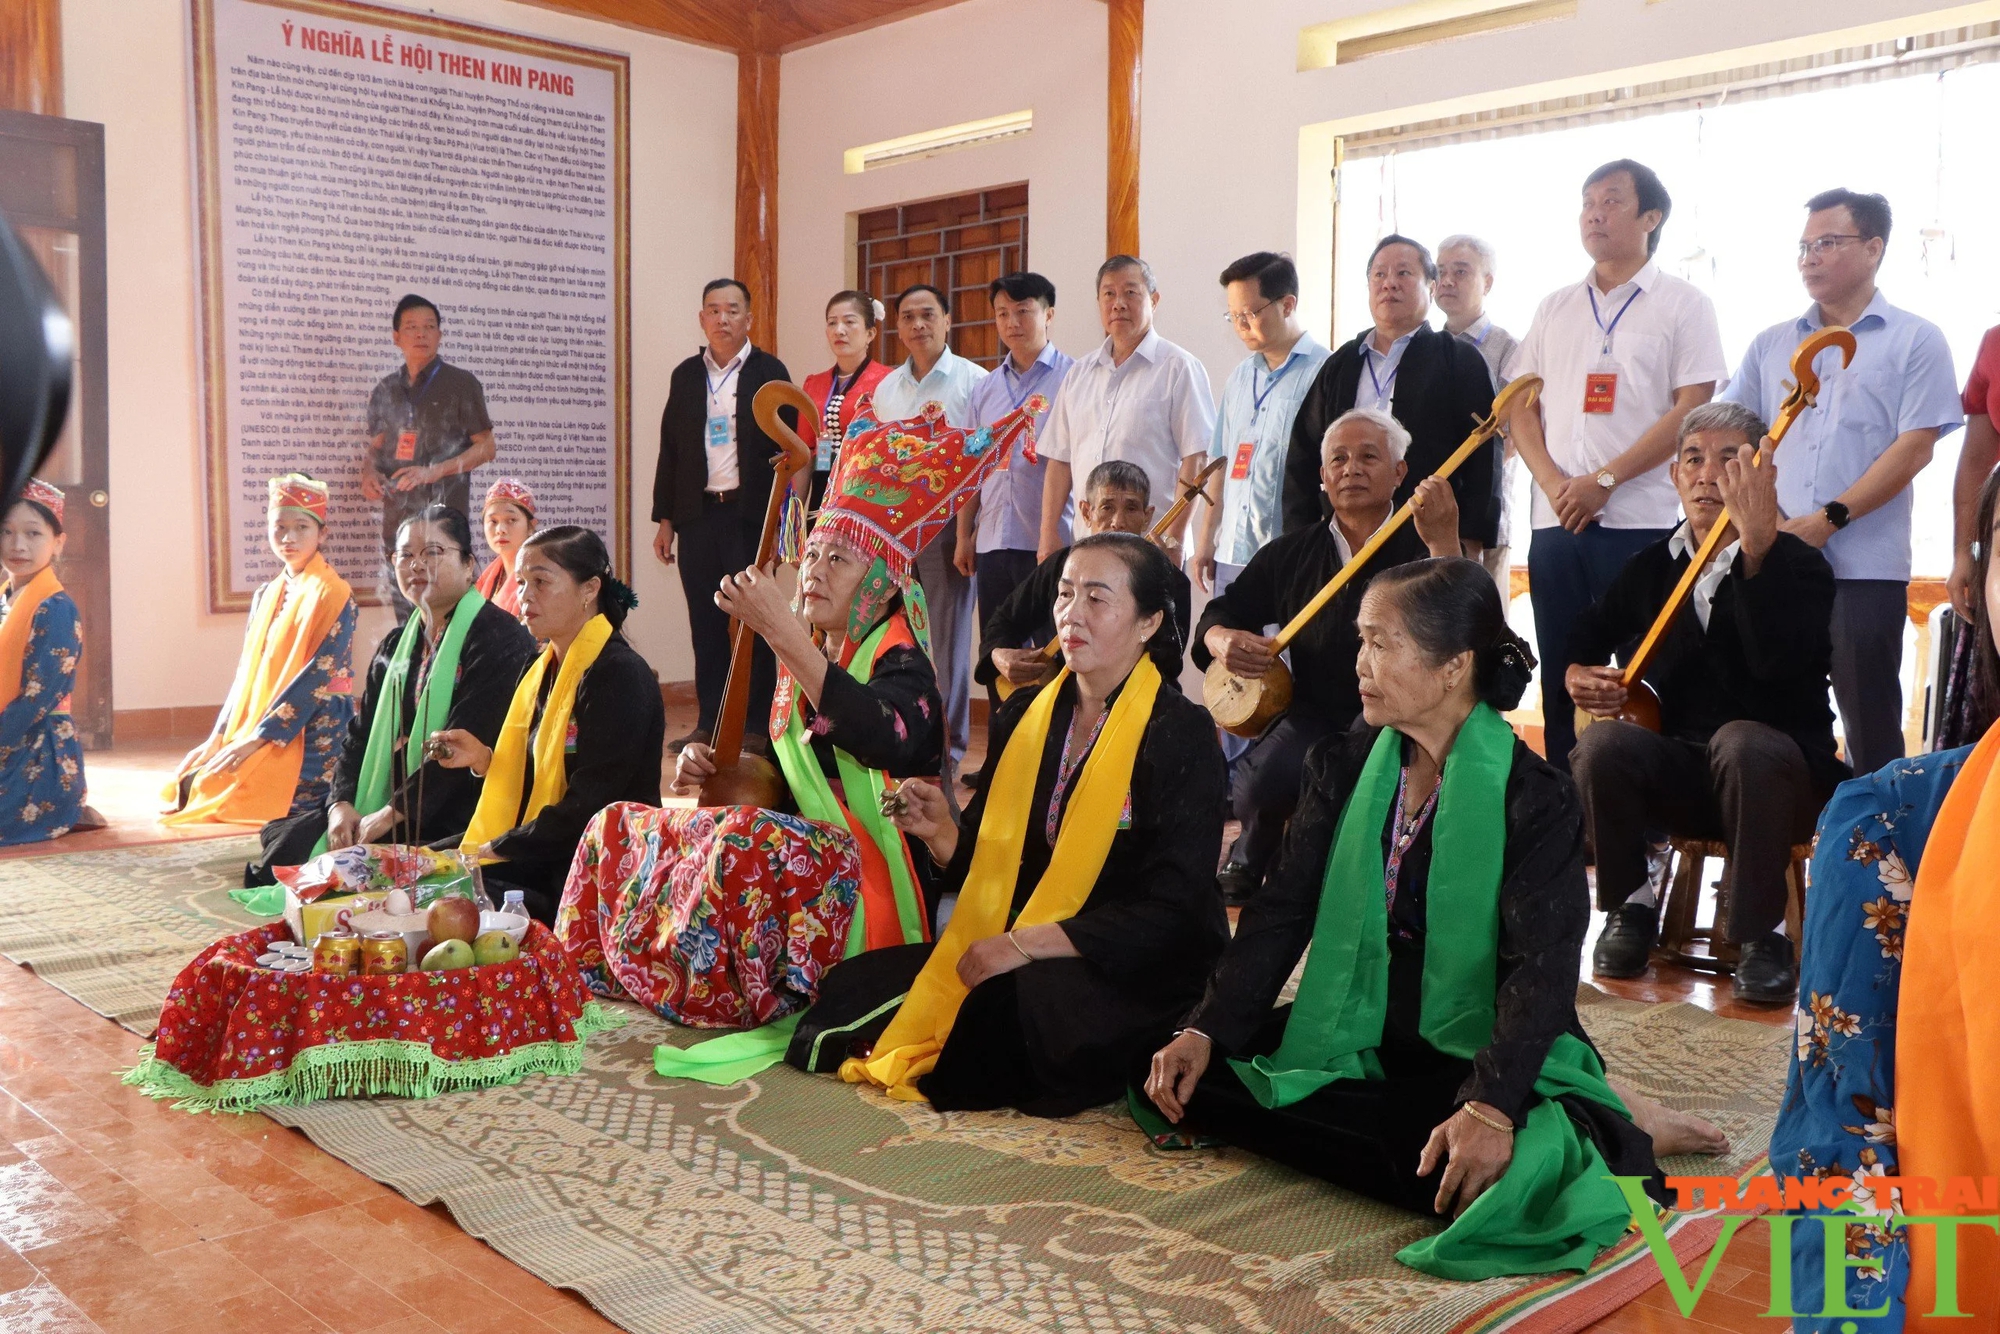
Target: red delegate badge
[1240, 469]
[1600, 391]
[406, 446]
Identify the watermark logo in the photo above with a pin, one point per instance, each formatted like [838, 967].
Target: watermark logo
[1875, 1210]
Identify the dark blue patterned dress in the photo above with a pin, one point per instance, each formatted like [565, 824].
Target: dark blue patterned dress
[41, 760]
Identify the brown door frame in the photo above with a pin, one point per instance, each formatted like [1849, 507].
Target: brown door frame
[86, 567]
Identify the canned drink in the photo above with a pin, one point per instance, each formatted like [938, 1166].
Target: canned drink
[337, 953]
[384, 952]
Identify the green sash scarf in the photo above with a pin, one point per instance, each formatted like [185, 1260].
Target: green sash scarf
[814, 795]
[737, 1056]
[1556, 1205]
[378, 761]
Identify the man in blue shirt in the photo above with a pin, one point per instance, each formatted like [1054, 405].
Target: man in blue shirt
[998, 531]
[1845, 469]
[1253, 422]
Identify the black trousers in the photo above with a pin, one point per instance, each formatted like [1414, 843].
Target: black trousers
[1749, 787]
[722, 542]
[1568, 573]
[1868, 620]
[1000, 573]
[1264, 787]
[1363, 1134]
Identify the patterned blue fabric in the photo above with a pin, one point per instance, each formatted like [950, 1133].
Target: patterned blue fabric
[41, 760]
[1838, 1118]
[318, 702]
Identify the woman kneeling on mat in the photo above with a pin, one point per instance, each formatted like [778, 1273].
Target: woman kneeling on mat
[1088, 913]
[1433, 1058]
[452, 664]
[585, 727]
[41, 640]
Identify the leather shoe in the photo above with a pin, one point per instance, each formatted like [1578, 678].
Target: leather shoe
[1767, 972]
[700, 735]
[756, 743]
[1237, 884]
[1626, 943]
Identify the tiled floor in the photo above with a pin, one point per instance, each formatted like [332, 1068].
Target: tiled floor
[118, 1213]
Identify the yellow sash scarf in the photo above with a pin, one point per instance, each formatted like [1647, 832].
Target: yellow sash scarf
[1947, 1029]
[499, 808]
[14, 630]
[910, 1046]
[280, 643]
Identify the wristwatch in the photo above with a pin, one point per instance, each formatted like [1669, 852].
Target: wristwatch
[1836, 514]
[1605, 478]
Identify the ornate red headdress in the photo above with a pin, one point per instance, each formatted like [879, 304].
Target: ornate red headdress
[45, 495]
[296, 491]
[514, 491]
[897, 484]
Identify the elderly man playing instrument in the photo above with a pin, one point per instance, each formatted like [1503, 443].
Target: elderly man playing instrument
[1745, 753]
[1361, 468]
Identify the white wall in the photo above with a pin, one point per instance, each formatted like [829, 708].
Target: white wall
[125, 65]
[972, 60]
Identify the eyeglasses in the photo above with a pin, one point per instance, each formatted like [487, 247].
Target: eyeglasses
[428, 556]
[1822, 246]
[1247, 318]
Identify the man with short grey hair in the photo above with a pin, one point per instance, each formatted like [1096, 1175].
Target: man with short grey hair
[1465, 269]
[1745, 752]
[1361, 466]
[1135, 397]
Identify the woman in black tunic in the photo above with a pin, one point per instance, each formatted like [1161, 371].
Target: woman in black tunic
[377, 794]
[611, 745]
[1431, 1075]
[1054, 1013]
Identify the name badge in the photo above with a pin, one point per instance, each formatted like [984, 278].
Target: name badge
[1240, 469]
[721, 431]
[1600, 391]
[406, 446]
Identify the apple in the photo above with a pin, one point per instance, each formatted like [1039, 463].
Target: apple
[495, 947]
[453, 918]
[448, 954]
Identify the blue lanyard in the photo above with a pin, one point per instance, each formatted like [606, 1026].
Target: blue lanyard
[715, 387]
[1590, 290]
[1368, 355]
[1257, 399]
[1027, 381]
[418, 401]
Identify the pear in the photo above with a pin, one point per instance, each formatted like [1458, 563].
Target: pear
[495, 947]
[447, 954]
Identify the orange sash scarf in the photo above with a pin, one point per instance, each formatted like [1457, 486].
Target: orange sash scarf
[279, 643]
[1948, 1035]
[14, 630]
[498, 587]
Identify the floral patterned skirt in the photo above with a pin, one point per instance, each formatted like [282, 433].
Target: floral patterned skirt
[724, 917]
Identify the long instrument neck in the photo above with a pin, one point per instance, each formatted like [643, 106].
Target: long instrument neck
[1718, 537]
[734, 712]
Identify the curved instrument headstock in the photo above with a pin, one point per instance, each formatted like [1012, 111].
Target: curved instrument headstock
[1522, 391]
[795, 452]
[1804, 378]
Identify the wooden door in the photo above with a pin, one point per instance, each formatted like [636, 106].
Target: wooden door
[959, 245]
[52, 191]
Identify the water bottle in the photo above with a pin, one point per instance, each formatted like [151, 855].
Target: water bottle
[513, 904]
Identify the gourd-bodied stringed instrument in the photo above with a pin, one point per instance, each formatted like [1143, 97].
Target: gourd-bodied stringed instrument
[1157, 533]
[739, 779]
[1245, 706]
[1642, 702]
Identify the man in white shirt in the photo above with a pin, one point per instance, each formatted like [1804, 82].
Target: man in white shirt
[1624, 355]
[1465, 268]
[936, 374]
[1137, 397]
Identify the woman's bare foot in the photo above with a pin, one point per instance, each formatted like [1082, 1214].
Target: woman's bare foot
[1673, 1132]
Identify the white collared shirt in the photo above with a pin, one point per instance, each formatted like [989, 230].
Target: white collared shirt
[1377, 386]
[901, 395]
[1340, 543]
[1154, 411]
[722, 470]
[1665, 340]
[1682, 543]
